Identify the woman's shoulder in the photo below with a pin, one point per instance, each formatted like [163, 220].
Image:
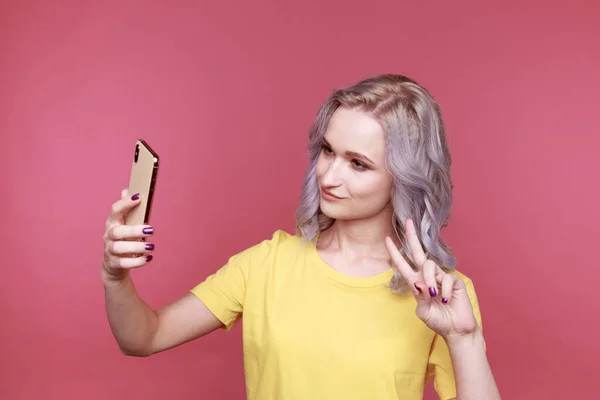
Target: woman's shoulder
[279, 242]
[279, 238]
[282, 236]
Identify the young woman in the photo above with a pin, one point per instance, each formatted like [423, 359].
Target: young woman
[363, 301]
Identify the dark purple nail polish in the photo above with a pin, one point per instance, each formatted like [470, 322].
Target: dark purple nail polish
[148, 231]
[444, 300]
[148, 258]
[418, 288]
[150, 246]
[135, 196]
[432, 291]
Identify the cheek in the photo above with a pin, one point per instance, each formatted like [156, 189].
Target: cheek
[376, 189]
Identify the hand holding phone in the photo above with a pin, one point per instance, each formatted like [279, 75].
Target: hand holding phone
[127, 227]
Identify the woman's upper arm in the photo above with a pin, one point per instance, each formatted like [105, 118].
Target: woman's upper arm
[181, 321]
[216, 302]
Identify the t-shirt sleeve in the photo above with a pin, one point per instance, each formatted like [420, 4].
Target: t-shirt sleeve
[224, 291]
[440, 363]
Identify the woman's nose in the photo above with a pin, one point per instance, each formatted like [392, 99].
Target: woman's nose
[333, 175]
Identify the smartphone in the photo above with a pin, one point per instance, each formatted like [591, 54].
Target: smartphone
[143, 181]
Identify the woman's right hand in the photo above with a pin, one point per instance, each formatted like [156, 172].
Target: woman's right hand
[123, 247]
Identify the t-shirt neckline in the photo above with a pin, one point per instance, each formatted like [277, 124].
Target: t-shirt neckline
[380, 279]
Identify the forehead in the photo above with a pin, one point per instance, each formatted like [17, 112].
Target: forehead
[355, 130]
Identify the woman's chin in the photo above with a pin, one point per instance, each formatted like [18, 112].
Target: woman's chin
[335, 211]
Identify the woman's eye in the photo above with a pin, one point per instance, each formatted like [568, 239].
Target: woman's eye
[327, 150]
[358, 165]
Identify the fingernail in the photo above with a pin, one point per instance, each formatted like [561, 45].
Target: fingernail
[150, 246]
[418, 288]
[432, 291]
[444, 300]
[148, 258]
[148, 231]
[135, 196]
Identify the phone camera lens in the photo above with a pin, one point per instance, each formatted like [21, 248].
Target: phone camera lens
[137, 152]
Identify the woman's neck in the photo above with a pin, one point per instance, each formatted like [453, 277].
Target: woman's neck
[360, 238]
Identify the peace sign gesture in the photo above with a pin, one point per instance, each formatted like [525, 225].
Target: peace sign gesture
[442, 300]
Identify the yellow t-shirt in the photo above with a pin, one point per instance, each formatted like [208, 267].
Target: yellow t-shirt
[313, 333]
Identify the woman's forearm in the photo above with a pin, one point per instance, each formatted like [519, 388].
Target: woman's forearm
[131, 320]
[473, 375]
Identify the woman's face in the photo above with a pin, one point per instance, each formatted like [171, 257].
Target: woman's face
[353, 180]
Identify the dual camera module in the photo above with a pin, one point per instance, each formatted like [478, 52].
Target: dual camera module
[137, 153]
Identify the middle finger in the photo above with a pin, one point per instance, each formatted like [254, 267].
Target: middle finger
[429, 270]
[124, 232]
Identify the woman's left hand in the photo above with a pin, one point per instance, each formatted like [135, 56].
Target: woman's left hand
[442, 300]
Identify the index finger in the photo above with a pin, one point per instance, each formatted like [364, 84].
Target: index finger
[405, 270]
[122, 206]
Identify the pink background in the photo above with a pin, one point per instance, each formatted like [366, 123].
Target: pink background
[225, 93]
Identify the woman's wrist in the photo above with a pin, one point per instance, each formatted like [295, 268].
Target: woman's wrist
[465, 341]
[114, 279]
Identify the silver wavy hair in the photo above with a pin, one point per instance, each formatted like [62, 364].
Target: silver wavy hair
[418, 158]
